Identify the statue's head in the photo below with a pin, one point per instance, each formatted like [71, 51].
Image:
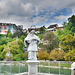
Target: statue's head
[32, 32]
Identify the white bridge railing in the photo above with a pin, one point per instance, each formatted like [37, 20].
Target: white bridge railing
[49, 67]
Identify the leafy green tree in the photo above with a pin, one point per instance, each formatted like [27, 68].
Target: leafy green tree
[60, 34]
[16, 48]
[21, 45]
[22, 38]
[50, 42]
[8, 32]
[70, 56]
[3, 41]
[42, 30]
[18, 33]
[67, 43]
[10, 35]
[64, 24]
[1, 48]
[71, 24]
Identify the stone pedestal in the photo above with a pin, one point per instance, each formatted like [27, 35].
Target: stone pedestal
[73, 68]
[32, 67]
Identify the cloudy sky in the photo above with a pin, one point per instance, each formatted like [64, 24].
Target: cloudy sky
[36, 12]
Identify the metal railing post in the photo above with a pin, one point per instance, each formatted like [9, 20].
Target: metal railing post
[39, 67]
[59, 68]
[49, 67]
[19, 68]
[0, 67]
[10, 68]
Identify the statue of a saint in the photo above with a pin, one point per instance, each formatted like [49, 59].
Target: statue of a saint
[32, 42]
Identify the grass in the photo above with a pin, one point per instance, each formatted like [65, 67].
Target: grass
[55, 70]
[67, 65]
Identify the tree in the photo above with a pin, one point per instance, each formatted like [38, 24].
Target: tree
[64, 24]
[8, 31]
[42, 30]
[16, 48]
[70, 56]
[50, 41]
[18, 33]
[67, 43]
[22, 38]
[72, 19]
[43, 55]
[59, 34]
[21, 45]
[3, 41]
[71, 24]
[57, 54]
[10, 35]
[1, 48]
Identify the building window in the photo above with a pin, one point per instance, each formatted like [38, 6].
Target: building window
[0, 28]
[5, 26]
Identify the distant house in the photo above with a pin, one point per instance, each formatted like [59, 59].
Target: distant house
[36, 29]
[54, 28]
[20, 27]
[4, 27]
[62, 28]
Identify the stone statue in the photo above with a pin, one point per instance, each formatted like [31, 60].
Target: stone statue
[32, 42]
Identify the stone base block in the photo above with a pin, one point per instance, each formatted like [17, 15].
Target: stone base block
[32, 67]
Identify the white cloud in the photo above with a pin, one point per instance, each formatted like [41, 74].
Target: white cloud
[61, 17]
[22, 11]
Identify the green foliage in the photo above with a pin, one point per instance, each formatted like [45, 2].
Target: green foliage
[19, 57]
[21, 45]
[68, 65]
[42, 30]
[71, 24]
[3, 41]
[16, 48]
[51, 41]
[64, 24]
[22, 38]
[8, 32]
[40, 36]
[18, 33]
[72, 19]
[70, 56]
[1, 48]
[69, 28]
[1, 52]
[67, 43]
[60, 34]
[2, 36]
[10, 35]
